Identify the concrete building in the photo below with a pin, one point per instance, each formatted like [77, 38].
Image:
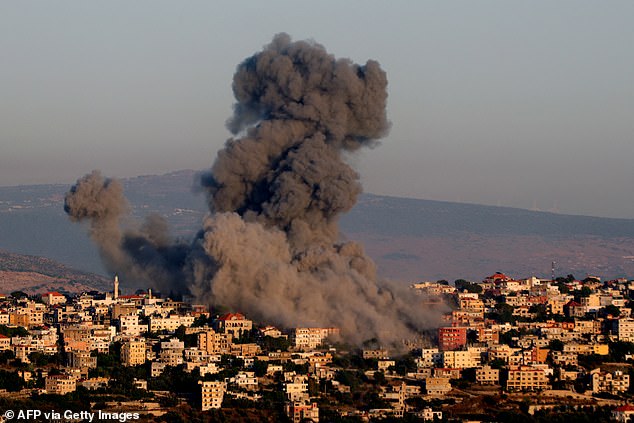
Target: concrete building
[52, 298]
[311, 338]
[82, 359]
[213, 342]
[60, 384]
[526, 378]
[613, 383]
[486, 375]
[233, 323]
[450, 338]
[212, 393]
[437, 386]
[302, 412]
[133, 352]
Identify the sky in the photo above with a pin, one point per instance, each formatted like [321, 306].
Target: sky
[511, 103]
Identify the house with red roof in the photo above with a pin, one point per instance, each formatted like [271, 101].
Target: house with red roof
[574, 309]
[52, 298]
[5, 342]
[233, 323]
[624, 413]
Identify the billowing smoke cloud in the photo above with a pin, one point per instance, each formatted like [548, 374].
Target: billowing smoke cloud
[270, 245]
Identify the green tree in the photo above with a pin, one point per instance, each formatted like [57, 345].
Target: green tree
[10, 381]
[556, 345]
[611, 310]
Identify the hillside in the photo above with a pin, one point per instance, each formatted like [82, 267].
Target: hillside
[410, 239]
[34, 275]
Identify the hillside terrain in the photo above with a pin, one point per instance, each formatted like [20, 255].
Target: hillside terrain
[410, 239]
[36, 275]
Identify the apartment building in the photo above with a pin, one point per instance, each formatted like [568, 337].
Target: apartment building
[526, 378]
[212, 393]
[133, 352]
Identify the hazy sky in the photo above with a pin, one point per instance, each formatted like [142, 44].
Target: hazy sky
[516, 103]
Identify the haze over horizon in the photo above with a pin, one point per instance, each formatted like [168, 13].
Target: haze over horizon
[515, 104]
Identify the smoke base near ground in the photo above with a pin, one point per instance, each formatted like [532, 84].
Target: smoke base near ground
[270, 245]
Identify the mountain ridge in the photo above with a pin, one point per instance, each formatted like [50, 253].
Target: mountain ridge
[410, 239]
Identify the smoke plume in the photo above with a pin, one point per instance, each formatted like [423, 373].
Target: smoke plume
[270, 245]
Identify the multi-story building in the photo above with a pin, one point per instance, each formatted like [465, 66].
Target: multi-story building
[302, 412]
[133, 352]
[430, 357]
[172, 352]
[212, 393]
[5, 342]
[60, 384]
[129, 325]
[624, 329]
[437, 386]
[460, 359]
[450, 338]
[311, 338]
[213, 342]
[526, 378]
[52, 298]
[233, 323]
[486, 375]
[170, 323]
[613, 383]
[82, 359]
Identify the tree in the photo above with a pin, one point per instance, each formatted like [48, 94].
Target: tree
[611, 310]
[556, 345]
[10, 381]
[464, 285]
[503, 313]
[19, 294]
[472, 336]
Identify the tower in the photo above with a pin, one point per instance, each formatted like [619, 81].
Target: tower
[115, 293]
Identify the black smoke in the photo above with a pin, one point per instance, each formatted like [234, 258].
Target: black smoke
[270, 245]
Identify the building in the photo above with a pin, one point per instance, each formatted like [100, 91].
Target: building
[430, 357]
[52, 298]
[486, 375]
[450, 338]
[5, 342]
[302, 412]
[460, 359]
[60, 384]
[624, 329]
[428, 414]
[311, 338]
[623, 414]
[612, 383]
[297, 390]
[82, 359]
[129, 325]
[170, 323]
[213, 342]
[437, 386]
[133, 352]
[233, 323]
[212, 393]
[378, 354]
[526, 378]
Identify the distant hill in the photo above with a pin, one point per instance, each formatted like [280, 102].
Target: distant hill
[36, 275]
[410, 239]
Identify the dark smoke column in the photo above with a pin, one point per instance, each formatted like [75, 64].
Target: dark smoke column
[271, 246]
[298, 110]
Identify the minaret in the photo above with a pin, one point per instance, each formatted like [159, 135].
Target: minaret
[149, 293]
[115, 294]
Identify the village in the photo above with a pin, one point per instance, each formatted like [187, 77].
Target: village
[500, 347]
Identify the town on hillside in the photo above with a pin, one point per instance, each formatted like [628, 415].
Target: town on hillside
[506, 350]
